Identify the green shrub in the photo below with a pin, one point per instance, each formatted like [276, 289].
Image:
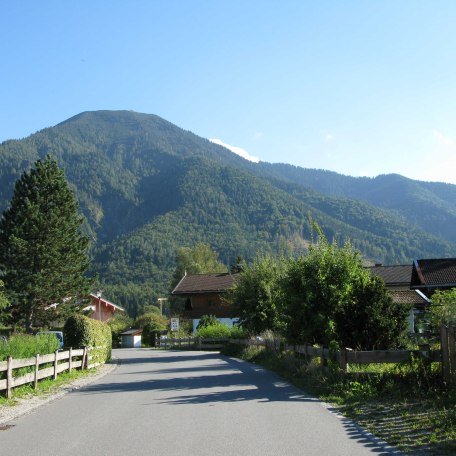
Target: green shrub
[148, 334]
[150, 323]
[238, 332]
[152, 318]
[207, 320]
[257, 295]
[119, 323]
[215, 330]
[27, 346]
[80, 331]
[443, 309]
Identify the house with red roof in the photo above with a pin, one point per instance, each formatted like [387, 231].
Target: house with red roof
[101, 309]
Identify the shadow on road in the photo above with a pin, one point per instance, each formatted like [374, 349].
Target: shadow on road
[220, 379]
[211, 379]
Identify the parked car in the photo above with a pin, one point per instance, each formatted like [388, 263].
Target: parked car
[58, 334]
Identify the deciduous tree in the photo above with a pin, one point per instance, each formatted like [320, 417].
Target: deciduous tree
[258, 295]
[331, 297]
[200, 259]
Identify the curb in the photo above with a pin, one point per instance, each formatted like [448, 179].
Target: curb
[28, 405]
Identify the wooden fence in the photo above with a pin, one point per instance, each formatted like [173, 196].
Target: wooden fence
[57, 362]
[192, 342]
[448, 344]
[342, 357]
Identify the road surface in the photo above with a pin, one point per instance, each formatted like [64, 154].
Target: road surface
[185, 403]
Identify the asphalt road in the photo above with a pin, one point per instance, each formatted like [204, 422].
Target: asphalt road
[185, 403]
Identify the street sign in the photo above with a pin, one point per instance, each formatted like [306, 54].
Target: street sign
[174, 324]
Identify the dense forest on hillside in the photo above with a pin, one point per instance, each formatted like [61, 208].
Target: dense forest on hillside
[147, 187]
[428, 205]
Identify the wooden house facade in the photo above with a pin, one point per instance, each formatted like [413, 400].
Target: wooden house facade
[203, 294]
[101, 309]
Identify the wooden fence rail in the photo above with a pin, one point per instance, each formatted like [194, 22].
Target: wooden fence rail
[343, 357]
[60, 360]
[192, 342]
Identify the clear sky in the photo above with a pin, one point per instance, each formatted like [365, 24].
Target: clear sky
[359, 87]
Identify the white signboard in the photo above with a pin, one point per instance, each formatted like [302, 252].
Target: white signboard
[174, 324]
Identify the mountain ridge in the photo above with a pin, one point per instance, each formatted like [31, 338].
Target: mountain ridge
[147, 187]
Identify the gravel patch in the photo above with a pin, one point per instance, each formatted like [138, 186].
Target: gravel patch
[28, 404]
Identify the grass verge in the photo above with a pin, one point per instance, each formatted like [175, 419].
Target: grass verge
[406, 404]
[45, 386]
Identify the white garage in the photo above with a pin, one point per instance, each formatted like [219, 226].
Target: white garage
[131, 338]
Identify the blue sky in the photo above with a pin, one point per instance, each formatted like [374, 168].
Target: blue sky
[358, 87]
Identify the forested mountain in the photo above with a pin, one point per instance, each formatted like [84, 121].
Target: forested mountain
[429, 205]
[147, 187]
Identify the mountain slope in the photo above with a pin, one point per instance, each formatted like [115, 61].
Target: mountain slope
[429, 205]
[147, 187]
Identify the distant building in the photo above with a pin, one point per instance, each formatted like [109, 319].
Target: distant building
[397, 279]
[434, 274]
[131, 338]
[102, 309]
[203, 294]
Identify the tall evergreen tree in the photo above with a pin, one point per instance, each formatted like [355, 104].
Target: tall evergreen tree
[42, 252]
[4, 304]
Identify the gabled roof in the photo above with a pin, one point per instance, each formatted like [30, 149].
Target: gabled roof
[413, 297]
[205, 283]
[106, 302]
[396, 275]
[132, 332]
[434, 273]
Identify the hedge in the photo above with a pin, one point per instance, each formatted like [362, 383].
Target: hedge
[80, 331]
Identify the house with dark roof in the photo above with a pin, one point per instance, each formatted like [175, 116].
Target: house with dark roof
[397, 279]
[434, 274]
[203, 294]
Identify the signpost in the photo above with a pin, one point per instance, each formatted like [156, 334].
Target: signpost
[174, 324]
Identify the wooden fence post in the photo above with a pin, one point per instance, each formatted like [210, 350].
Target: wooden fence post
[452, 354]
[324, 362]
[9, 376]
[70, 361]
[55, 364]
[84, 358]
[343, 359]
[445, 353]
[37, 368]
